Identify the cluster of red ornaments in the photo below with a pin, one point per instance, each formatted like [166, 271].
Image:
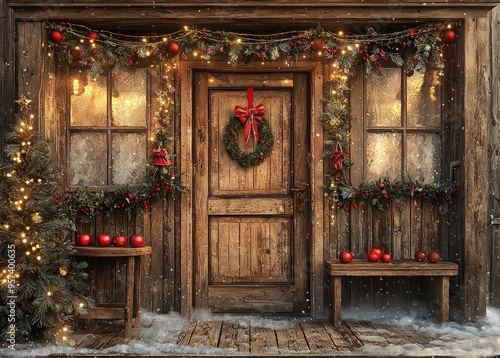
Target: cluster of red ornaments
[375, 254]
[104, 240]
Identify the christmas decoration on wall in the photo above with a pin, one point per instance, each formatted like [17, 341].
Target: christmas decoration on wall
[382, 193]
[161, 159]
[412, 48]
[42, 285]
[262, 150]
[449, 36]
[160, 179]
[56, 36]
[252, 121]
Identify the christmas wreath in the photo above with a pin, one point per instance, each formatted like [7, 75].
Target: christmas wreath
[263, 136]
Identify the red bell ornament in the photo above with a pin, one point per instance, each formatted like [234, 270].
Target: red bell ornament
[449, 36]
[161, 159]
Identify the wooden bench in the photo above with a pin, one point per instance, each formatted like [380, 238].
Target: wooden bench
[131, 307]
[437, 289]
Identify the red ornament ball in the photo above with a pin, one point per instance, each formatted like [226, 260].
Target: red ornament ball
[55, 36]
[346, 257]
[318, 44]
[173, 48]
[449, 37]
[93, 35]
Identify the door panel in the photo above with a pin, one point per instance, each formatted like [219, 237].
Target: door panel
[251, 228]
[250, 250]
[273, 175]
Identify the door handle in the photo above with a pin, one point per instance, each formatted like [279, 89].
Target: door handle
[299, 199]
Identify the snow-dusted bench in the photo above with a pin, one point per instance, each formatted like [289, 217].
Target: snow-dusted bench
[438, 283]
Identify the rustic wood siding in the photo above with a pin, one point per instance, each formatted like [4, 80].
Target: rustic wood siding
[477, 76]
[494, 163]
[472, 140]
[267, 16]
[7, 68]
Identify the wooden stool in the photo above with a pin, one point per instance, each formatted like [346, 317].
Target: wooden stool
[131, 308]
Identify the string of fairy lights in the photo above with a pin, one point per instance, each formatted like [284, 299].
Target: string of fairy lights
[25, 241]
[412, 48]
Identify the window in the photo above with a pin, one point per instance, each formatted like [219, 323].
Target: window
[402, 125]
[107, 128]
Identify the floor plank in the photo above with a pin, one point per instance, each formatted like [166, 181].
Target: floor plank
[343, 338]
[185, 336]
[292, 339]
[206, 334]
[235, 336]
[263, 340]
[366, 333]
[244, 337]
[318, 339]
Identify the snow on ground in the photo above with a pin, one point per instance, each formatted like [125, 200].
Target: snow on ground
[481, 338]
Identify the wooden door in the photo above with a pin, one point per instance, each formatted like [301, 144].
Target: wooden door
[251, 229]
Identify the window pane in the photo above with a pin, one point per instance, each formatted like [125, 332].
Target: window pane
[128, 158]
[383, 98]
[89, 100]
[383, 156]
[424, 99]
[424, 156]
[129, 97]
[87, 159]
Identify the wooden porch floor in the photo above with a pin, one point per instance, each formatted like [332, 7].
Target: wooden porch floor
[300, 337]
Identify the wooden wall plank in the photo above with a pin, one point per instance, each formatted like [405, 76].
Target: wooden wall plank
[157, 263]
[494, 161]
[184, 79]
[317, 197]
[270, 15]
[29, 69]
[476, 71]
[7, 70]
[221, 3]
[200, 185]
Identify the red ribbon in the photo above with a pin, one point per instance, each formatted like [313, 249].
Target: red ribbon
[338, 158]
[250, 116]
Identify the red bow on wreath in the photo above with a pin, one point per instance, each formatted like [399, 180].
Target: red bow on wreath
[161, 159]
[250, 116]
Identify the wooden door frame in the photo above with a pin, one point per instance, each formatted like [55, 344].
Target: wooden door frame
[185, 78]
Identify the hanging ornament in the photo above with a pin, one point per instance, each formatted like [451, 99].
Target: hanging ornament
[449, 36]
[63, 270]
[55, 36]
[23, 102]
[427, 48]
[36, 218]
[338, 157]
[318, 44]
[161, 159]
[93, 35]
[173, 48]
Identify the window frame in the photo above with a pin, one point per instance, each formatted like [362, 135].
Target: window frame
[403, 128]
[109, 129]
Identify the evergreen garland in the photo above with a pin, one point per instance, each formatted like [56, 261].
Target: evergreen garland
[262, 150]
[42, 285]
[410, 48]
[381, 193]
